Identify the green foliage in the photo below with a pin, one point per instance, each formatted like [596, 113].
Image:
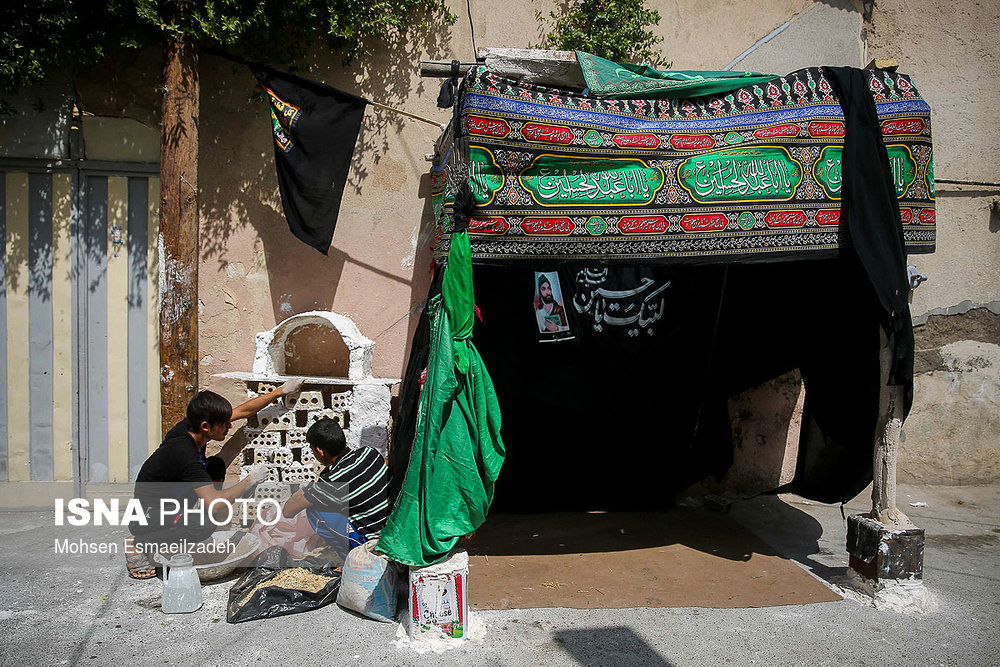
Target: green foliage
[41, 36]
[44, 35]
[618, 30]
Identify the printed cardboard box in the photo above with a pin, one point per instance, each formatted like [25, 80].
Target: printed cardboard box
[439, 598]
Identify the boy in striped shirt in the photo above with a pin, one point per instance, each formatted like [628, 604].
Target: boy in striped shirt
[348, 504]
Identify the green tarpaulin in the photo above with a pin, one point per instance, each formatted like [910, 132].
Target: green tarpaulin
[457, 451]
[606, 78]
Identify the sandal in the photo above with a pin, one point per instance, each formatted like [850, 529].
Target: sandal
[139, 566]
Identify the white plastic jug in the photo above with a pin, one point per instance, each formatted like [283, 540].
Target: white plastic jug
[181, 585]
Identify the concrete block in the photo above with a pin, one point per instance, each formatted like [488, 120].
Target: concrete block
[296, 437]
[298, 473]
[277, 490]
[272, 456]
[340, 401]
[305, 400]
[276, 418]
[264, 439]
[263, 454]
[315, 415]
[878, 551]
[282, 456]
[262, 388]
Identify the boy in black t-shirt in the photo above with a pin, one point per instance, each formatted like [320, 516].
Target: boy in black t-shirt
[176, 473]
[215, 466]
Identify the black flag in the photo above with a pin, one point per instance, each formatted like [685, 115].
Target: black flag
[315, 129]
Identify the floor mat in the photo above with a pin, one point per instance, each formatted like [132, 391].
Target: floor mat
[678, 558]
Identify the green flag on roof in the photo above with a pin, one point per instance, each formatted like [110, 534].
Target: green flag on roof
[606, 78]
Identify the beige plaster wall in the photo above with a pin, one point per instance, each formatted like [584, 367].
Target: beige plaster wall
[254, 274]
[952, 435]
[952, 51]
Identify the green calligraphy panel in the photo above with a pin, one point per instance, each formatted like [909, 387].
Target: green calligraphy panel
[827, 169]
[485, 175]
[930, 175]
[765, 173]
[555, 180]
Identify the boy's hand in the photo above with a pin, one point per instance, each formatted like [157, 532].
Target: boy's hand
[258, 473]
[291, 386]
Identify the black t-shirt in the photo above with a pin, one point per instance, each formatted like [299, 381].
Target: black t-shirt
[173, 471]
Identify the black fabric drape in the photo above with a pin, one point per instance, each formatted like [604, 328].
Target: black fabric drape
[605, 420]
[315, 128]
[822, 318]
[873, 223]
[405, 423]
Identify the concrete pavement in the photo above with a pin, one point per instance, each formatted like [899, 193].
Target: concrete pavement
[53, 612]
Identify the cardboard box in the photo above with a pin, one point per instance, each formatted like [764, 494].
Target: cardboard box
[439, 598]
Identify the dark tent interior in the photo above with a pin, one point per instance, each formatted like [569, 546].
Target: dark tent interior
[625, 417]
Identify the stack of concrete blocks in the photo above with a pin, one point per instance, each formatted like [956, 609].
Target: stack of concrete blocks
[363, 400]
[277, 436]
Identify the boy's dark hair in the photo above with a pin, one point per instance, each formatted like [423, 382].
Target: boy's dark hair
[216, 468]
[327, 435]
[207, 406]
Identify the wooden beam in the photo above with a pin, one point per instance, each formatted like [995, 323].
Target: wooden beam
[545, 68]
[179, 231]
[886, 454]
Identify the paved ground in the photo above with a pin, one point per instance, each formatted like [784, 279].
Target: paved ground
[54, 613]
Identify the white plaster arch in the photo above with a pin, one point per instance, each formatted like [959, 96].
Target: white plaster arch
[269, 358]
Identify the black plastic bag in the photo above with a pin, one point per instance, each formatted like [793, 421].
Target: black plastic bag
[271, 601]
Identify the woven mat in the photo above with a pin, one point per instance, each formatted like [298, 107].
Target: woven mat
[678, 558]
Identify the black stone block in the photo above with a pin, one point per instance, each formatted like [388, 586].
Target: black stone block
[878, 551]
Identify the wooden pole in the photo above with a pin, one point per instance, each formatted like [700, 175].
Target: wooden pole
[179, 230]
[890, 424]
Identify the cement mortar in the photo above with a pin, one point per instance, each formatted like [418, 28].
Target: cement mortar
[902, 596]
[370, 408]
[271, 351]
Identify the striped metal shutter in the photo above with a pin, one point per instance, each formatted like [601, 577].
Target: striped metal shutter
[79, 318]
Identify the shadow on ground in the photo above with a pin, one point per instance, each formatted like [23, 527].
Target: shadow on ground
[615, 645]
[791, 533]
[591, 532]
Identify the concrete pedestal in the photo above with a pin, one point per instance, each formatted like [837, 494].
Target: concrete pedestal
[878, 551]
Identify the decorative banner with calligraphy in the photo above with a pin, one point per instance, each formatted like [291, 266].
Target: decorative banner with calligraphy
[751, 174]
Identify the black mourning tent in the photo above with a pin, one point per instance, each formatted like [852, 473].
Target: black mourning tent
[639, 259]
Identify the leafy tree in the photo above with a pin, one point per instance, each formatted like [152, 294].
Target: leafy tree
[42, 36]
[618, 30]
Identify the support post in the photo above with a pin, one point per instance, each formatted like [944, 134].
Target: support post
[885, 545]
[178, 242]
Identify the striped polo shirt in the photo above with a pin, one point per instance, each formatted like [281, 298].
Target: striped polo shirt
[356, 485]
